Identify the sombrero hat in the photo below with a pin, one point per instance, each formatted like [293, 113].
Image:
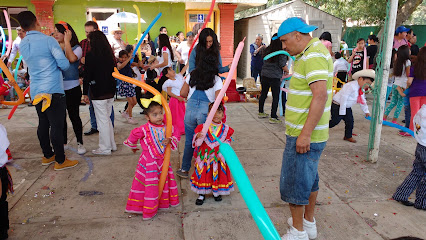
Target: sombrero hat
[364, 73]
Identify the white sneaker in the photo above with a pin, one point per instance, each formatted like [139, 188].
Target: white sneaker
[131, 120]
[294, 234]
[101, 152]
[125, 115]
[81, 149]
[309, 227]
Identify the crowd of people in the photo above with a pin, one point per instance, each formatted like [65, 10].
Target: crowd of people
[59, 65]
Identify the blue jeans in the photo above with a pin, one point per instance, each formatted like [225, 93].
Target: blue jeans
[255, 72]
[93, 117]
[197, 109]
[299, 172]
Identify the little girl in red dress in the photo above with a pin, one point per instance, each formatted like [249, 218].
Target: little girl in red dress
[211, 174]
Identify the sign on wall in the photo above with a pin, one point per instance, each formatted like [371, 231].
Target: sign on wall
[200, 18]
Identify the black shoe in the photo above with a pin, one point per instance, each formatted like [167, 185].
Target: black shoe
[218, 198]
[403, 121]
[91, 131]
[407, 203]
[200, 201]
[142, 112]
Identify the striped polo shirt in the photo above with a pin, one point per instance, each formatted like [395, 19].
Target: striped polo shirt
[311, 65]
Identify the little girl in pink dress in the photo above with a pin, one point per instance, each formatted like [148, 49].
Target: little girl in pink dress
[144, 197]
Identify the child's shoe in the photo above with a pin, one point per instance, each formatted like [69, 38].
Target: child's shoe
[294, 234]
[65, 165]
[131, 120]
[125, 115]
[47, 161]
[200, 200]
[404, 134]
[81, 149]
[218, 198]
[352, 140]
[309, 227]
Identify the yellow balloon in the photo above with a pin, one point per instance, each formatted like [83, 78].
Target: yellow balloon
[139, 29]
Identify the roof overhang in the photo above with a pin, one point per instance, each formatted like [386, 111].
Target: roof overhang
[241, 4]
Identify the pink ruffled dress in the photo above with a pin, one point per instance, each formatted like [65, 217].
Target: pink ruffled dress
[143, 196]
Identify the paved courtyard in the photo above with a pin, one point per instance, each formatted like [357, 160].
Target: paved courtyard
[87, 202]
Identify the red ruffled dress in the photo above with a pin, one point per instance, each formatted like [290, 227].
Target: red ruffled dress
[211, 174]
[143, 196]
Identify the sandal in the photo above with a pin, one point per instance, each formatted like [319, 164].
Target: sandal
[218, 198]
[200, 200]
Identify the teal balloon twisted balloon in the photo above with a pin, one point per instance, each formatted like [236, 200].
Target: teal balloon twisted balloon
[3, 37]
[17, 67]
[273, 54]
[253, 203]
[143, 36]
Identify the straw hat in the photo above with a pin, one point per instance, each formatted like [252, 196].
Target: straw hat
[364, 73]
[116, 29]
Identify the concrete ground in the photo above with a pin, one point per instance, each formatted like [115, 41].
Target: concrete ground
[87, 202]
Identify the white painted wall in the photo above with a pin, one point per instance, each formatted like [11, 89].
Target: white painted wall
[269, 22]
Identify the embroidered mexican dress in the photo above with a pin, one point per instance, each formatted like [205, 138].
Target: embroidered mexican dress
[211, 173]
[143, 196]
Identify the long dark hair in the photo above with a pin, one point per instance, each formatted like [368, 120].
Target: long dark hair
[202, 43]
[325, 36]
[99, 46]
[420, 65]
[61, 28]
[402, 56]
[149, 36]
[164, 42]
[374, 38]
[275, 45]
[204, 74]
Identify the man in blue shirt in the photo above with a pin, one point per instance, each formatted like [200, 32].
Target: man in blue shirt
[45, 60]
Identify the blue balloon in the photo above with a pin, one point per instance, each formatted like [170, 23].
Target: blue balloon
[386, 123]
[253, 203]
[17, 67]
[278, 53]
[143, 36]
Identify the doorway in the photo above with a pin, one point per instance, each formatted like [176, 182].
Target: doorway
[101, 14]
[193, 17]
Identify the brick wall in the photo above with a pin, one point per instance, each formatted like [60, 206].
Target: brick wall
[227, 32]
[44, 14]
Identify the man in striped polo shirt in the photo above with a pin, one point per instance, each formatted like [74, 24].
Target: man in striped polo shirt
[307, 117]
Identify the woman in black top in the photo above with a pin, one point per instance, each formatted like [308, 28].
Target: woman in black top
[271, 74]
[372, 50]
[99, 83]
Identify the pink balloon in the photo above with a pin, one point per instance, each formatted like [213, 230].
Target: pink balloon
[222, 92]
[9, 29]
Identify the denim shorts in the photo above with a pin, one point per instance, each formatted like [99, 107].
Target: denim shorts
[299, 172]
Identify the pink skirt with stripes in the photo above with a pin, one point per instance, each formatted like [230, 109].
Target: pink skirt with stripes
[177, 110]
[143, 196]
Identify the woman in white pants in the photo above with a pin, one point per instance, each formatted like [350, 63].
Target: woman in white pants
[99, 83]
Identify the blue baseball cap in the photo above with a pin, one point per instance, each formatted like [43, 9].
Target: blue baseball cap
[401, 29]
[294, 24]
